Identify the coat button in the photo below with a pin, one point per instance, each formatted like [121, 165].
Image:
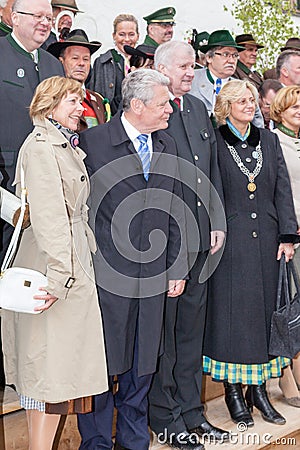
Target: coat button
[196, 157]
[248, 160]
[199, 180]
[199, 203]
[252, 196]
[111, 85]
[82, 178]
[254, 234]
[244, 145]
[64, 145]
[253, 215]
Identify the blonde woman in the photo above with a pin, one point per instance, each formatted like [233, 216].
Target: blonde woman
[111, 67]
[285, 111]
[261, 226]
[56, 356]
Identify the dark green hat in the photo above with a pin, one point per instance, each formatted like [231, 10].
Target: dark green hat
[200, 40]
[221, 38]
[165, 15]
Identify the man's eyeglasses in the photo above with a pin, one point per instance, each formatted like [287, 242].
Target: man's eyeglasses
[37, 17]
[227, 55]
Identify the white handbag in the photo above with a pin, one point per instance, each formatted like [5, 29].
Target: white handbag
[18, 285]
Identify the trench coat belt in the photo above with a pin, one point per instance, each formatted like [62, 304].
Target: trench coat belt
[88, 232]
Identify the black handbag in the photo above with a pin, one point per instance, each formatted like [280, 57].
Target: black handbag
[285, 324]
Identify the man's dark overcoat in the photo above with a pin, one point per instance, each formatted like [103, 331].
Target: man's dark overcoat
[196, 143]
[242, 292]
[132, 306]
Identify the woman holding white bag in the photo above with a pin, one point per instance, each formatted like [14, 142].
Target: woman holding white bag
[56, 356]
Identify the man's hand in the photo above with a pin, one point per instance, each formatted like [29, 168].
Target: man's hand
[176, 288]
[216, 240]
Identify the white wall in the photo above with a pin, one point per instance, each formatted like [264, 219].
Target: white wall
[200, 14]
[203, 15]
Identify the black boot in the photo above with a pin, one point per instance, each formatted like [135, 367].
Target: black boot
[257, 396]
[236, 404]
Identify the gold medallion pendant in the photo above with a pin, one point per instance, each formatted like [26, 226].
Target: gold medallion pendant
[251, 187]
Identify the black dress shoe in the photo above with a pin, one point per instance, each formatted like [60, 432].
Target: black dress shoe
[257, 396]
[118, 446]
[184, 441]
[236, 404]
[208, 431]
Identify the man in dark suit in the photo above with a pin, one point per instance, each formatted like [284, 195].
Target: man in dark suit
[25, 66]
[176, 412]
[140, 231]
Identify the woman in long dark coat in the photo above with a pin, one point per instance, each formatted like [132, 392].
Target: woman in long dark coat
[261, 225]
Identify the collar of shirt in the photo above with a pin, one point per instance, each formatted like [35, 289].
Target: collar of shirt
[34, 53]
[224, 80]
[133, 134]
[172, 96]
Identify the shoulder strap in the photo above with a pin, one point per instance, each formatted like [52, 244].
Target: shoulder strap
[15, 237]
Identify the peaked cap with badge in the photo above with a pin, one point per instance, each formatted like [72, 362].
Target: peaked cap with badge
[75, 37]
[165, 15]
[221, 38]
[66, 4]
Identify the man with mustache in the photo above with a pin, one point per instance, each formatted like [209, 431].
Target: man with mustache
[160, 26]
[222, 54]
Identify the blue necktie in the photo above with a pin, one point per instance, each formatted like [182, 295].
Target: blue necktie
[144, 154]
[218, 85]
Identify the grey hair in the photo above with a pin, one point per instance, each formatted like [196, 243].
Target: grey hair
[139, 84]
[164, 54]
[283, 60]
[17, 5]
[211, 52]
[3, 3]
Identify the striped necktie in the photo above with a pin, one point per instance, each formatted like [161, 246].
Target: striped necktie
[144, 154]
[176, 100]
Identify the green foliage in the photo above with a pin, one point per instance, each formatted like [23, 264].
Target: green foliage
[270, 22]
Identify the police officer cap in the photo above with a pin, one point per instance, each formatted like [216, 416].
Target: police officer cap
[165, 15]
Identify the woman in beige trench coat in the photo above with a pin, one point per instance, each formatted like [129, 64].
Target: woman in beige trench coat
[57, 355]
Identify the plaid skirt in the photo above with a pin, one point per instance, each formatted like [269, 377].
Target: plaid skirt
[30, 403]
[244, 373]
